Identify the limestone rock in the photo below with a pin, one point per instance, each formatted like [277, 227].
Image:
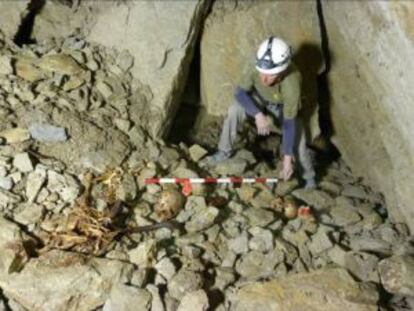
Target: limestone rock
[47, 133]
[202, 219]
[65, 185]
[184, 281]
[194, 301]
[197, 152]
[6, 183]
[30, 214]
[376, 153]
[15, 135]
[143, 255]
[332, 289]
[5, 65]
[128, 298]
[162, 64]
[11, 16]
[23, 162]
[317, 199]
[397, 275]
[59, 63]
[35, 181]
[10, 243]
[46, 282]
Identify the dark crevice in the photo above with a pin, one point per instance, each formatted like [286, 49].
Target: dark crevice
[24, 33]
[189, 108]
[324, 96]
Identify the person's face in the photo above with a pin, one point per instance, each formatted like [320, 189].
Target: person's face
[269, 80]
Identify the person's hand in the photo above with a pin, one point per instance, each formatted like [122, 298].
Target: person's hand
[287, 167]
[262, 124]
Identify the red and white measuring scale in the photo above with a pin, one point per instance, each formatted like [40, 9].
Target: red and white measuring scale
[187, 182]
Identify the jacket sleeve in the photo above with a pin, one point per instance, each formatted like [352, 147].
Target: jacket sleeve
[245, 100]
[289, 134]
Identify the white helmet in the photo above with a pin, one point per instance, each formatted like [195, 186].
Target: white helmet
[273, 56]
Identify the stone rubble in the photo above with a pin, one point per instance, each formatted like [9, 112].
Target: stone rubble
[232, 247]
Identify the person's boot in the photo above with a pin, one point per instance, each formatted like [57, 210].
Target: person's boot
[217, 157]
[310, 183]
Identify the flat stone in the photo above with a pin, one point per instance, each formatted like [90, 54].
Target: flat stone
[104, 88]
[197, 152]
[6, 183]
[262, 239]
[3, 171]
[286, 187]
[371, 244]
[15, 135]
[166, 268]
[344, 216]
[396, 275]
[263, 199]
[10, 235]
[144, 254]
[5, 65]
[356, 192]
[184, 281]
[240, 244]
[31, 214]
[330, 187]
[128, 298]
[320, 241]
[327, 289]
[317, 199]
[258, 217]
[35, 181]
[232, 166]
[23, 162]
[246, 192]
[60, 63]
[47, 133]
[65, 185]
[194, 301]
[224, 277]
[7, 197]
[254, 265]
[337, 255]
[156, 302]
[202, 219]
[363, 266]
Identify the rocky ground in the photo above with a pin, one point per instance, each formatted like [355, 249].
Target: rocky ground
[79, 225]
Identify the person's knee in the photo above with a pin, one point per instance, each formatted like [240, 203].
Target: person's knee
[234, 111]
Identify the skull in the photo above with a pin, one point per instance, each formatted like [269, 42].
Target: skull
[171, 201]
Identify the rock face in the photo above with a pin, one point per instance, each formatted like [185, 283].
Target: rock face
[370, 85]
[231, 37]
[320, 290]
[11, 16]
[161, 37]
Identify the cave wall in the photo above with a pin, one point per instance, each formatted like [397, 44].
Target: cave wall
[371, 83]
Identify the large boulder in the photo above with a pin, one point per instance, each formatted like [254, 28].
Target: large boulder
[12, 14]
[371, 87]
[230, 40]
[161, 36]
[64, 281]
[60, 19]
[320, 290]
